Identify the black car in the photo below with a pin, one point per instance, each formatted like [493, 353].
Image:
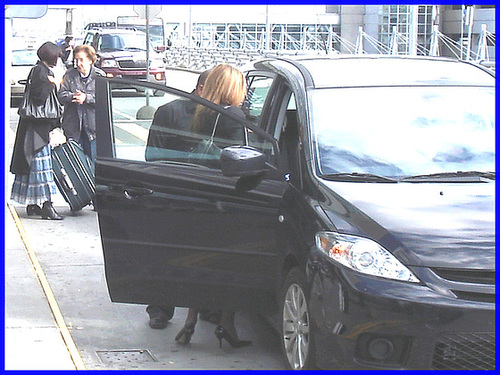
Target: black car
[357, 209]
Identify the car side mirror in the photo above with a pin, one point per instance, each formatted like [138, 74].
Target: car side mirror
[242, 161]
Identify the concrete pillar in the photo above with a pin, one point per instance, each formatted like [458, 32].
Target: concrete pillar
[69, 22]
[351, 18]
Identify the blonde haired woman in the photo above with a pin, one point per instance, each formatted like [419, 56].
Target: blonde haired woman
[225, 86]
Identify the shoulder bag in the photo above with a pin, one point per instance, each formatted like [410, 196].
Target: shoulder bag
[51, 109]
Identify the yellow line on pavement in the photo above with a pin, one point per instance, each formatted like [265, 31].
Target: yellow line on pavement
[54, 307]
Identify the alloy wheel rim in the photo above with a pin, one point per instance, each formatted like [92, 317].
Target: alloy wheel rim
[296, 327]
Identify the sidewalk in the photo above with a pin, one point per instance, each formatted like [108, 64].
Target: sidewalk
[33, 339]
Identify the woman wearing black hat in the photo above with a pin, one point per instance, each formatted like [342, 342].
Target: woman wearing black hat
[31, 161]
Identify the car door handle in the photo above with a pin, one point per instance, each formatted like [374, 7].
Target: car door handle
[134, 192]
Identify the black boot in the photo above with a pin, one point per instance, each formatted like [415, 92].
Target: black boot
[49, 213]
[33, 210]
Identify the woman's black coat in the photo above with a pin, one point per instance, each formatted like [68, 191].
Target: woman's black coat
[32, 135]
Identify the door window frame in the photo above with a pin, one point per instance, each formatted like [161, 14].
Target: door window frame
[104, 127]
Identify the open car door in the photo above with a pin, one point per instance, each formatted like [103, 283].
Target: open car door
[175, 230]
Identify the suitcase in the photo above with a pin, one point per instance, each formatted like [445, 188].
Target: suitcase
[73, 174]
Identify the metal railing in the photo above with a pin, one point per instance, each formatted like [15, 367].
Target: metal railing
[237, 45]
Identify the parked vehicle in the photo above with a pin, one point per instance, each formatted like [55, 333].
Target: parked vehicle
[22, 62]
[122, 53]
[357, 210]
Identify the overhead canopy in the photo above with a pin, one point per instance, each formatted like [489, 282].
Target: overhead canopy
[23, 11]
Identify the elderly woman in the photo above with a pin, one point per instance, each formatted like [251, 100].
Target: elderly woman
[77, 93]
[31, 161]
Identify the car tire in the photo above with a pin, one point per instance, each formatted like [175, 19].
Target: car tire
[296, 335]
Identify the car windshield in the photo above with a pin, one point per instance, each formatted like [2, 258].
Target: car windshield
[404, 131]
[123, 42]
[24, 57]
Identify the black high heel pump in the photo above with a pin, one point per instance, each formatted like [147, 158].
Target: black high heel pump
[184, 336]
[221, 334]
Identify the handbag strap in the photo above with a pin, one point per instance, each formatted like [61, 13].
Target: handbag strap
[27, 87]
[216, 122]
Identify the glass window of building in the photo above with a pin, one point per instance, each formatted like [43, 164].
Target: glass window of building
[400, 17]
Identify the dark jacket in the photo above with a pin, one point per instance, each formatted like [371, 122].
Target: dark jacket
[32, 135]
[66, 51]
[167, 131]
[228, 131]
[79, 116]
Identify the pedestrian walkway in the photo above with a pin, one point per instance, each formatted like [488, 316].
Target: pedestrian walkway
[36, 337]
[33, 338]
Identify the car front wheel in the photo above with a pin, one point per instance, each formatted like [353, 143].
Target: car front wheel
[296, 335]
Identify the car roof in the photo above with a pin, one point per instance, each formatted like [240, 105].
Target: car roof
[117, 30]
[387, 70]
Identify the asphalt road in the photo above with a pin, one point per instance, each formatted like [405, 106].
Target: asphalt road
[106, 335]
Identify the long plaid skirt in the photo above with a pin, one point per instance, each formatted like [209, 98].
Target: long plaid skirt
[37, 186]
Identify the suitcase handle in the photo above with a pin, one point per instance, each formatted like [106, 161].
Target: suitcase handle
[66, 182]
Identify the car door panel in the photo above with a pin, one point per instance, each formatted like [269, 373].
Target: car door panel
[181, 234]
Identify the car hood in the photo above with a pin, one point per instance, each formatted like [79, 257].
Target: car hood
[424, 224]
[19, 73]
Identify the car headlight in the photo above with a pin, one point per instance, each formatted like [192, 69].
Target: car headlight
[108, 63]
[363, 255]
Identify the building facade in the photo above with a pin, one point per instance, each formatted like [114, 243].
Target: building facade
[445, 30]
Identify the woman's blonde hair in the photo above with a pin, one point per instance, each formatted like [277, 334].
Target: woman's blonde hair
[225, 85]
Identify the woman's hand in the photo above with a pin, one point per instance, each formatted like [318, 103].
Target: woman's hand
[79, 97]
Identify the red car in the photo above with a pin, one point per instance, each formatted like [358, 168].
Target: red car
[122, 53]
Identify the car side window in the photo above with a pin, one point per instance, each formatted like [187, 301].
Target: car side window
[147, 127]
[88, 38]
[257, 92]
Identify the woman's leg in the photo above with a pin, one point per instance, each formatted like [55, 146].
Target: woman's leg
[37, 187]
[227, 331]
[192, 316]
[184, 335]
[227, 321]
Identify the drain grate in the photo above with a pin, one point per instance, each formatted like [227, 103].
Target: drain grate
[125, 357]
